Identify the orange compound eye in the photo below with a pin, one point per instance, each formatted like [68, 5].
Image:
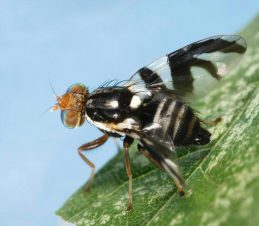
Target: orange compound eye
[72, 105]
[72, 114]
[72, 119]
[77, 88]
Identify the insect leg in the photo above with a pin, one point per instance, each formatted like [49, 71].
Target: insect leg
[157, 163]
[126, 144]
[212, 122]
[149, 156]
[89, 146]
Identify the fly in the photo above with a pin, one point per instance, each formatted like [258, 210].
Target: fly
[151, 106]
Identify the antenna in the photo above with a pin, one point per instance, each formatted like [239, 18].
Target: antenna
[53, 89]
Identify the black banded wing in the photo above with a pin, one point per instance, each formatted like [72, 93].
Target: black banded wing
[193, 69]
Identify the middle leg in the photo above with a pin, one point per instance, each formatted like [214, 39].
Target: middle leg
[126, 144]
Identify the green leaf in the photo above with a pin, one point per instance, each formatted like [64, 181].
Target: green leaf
[223, 176]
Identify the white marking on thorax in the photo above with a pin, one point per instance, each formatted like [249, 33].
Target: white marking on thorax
[153, 126]
[100, 125]
[113, 104]
[128, 123]
[135, 102]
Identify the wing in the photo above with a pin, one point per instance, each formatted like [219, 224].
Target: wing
[191, 70]
[160, 149]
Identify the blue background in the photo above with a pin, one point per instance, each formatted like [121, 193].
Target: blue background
[78, 41]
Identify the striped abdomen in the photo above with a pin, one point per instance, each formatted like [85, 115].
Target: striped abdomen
[179, 122]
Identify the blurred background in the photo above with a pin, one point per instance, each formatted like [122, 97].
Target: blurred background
[79, 41]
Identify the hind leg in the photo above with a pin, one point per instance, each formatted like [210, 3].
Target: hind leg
[212, 122]
[157, 163]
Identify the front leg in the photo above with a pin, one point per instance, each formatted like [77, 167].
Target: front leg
[126, 144]
[89, 146]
